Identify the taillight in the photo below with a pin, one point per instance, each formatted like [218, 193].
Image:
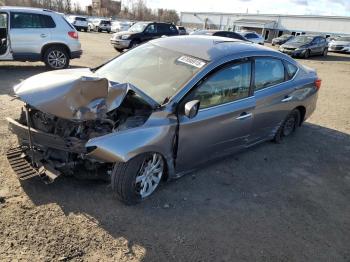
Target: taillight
[73, 34]
[318, 83]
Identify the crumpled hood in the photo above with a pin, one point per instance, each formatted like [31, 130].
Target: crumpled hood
[75, 94]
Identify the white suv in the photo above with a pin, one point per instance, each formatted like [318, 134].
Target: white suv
[79, 22]
[30, 34]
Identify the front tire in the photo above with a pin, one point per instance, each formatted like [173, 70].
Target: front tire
[56, 57]
[133, 44]
[307, 54]
[289, 126]
[138, 178]
[118, 49]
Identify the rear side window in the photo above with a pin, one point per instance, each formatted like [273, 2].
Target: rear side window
[29, 20]
[268, 72]
[291, 70]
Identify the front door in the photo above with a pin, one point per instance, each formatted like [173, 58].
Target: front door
[29, 32]
[151, 32]
[224, 120]
[4, 38]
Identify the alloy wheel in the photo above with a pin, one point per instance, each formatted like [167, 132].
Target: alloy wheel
[57, 59]
[150, 175]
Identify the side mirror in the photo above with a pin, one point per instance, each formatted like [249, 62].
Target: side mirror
[191, 108]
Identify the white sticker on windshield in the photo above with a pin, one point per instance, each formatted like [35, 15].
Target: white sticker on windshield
[191, 61]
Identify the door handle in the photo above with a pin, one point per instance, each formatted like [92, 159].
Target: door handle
[244, 115]
[43, 35]
[287, 98]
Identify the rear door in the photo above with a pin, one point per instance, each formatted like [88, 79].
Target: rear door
[224, 120]
[29, 32]
[273, 93]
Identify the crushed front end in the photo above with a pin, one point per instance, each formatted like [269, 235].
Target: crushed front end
[63, 111]
[50, 146]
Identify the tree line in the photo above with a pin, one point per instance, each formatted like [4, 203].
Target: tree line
[131, 9]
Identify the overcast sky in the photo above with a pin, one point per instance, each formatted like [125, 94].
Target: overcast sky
[316, 7]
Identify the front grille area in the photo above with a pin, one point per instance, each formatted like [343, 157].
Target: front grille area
[20, 164]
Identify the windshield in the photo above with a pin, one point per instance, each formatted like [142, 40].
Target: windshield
[301, 39]
[138, 27]
[343, 38]
[157, 71]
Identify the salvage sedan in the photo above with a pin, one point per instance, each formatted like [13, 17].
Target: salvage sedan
[158, 111]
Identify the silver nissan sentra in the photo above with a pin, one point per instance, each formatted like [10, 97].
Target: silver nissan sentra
[158, 111]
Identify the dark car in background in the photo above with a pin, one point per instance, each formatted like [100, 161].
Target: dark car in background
[182, 30]
[305, 46]
[282, 39]
[142, 32]
[228, 34]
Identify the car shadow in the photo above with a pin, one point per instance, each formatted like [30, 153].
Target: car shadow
[332, 57]
[13, 74]
[273, 202]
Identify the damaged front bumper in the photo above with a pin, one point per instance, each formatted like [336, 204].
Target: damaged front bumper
[27, 159]
[25, 168]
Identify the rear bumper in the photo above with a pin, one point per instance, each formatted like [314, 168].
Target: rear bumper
[81, 27]
[76, 54]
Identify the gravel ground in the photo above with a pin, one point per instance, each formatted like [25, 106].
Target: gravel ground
[285, 202]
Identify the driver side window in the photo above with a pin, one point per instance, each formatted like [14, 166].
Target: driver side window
[229, 84]
[151, 29]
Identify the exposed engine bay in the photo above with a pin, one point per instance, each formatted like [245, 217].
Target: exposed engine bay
[132, 112]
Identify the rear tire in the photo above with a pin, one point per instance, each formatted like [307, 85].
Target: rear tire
[56, 57]
[289, 126]
[134, 180]
[325, 52]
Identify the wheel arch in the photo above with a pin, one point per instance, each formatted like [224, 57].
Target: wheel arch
[47, 46]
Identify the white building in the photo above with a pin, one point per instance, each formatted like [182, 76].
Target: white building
[269, 26]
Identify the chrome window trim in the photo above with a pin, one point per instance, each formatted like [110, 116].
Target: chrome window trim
[227, 103]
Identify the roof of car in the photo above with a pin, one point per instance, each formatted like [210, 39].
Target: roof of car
[208, 48]
[25, 9]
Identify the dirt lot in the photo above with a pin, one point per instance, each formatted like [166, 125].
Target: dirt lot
[287, 202]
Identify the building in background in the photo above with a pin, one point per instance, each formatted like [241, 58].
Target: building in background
[106, 8]
[269, 26]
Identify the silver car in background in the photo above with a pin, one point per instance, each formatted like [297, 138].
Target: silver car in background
[253, 37]
[31, 34]
[340, 44]
[159, 111]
